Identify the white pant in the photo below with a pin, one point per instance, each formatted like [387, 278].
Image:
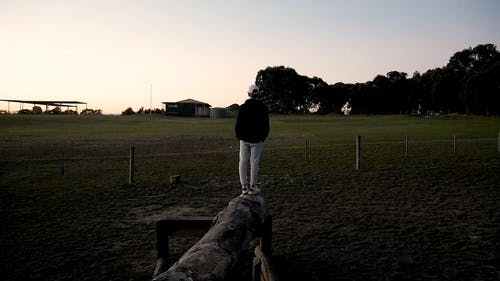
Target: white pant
[250, 152]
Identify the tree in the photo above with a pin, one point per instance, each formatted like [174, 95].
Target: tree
[363, 99]
[283, 90]
[471, 70]
[152, 111]
[322, 98]
[90, 111]
[233, 107]
[128, 111]
[469, 83]
[55, 110]
[482, 90]
[480, 83]
[461, 61]
[37, 110]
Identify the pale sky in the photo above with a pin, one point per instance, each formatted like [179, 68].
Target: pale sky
[108, 53]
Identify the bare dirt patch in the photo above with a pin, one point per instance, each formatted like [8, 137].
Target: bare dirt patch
[431, 219]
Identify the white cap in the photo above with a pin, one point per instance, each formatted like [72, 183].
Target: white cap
[253, 89]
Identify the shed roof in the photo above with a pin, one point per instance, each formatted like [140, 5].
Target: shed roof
[45, 102]
[190, 101]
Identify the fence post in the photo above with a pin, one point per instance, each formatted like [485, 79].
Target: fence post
[358, 152]
[454, 145]
[266, 236]
[62, 163]
[406, 146]
[131, 165]
[305, 151]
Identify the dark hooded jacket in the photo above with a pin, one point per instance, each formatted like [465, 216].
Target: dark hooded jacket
[252, 123]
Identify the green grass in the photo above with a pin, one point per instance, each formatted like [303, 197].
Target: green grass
[324, 128]
[198, 147]
[387, 128]
[84, 127]
[58, 226]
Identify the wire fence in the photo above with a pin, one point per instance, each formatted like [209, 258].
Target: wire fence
[155, 163]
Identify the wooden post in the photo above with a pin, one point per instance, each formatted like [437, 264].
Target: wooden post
[62, 164]
[216, 253]
[358, 152]
[162, 248]
[189, 226]
[454, 145]
[305, 151]
[175, 180]
[131, 166]
[406, 146]
[498, 142]
[266, 236]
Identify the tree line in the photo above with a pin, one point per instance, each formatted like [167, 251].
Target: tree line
[130, 111]
[468, 84]
[57, 111]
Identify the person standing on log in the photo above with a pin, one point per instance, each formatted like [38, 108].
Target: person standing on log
[252, 129]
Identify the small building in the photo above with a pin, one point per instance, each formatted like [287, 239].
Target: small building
[219, 112]
[188, 107]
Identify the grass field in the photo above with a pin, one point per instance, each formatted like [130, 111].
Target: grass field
[68, 212]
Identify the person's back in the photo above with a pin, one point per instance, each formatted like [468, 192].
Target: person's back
[252, 129]
[252, 123]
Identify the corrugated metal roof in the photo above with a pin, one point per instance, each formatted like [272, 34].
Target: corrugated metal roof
[45, 102]
[190, 101]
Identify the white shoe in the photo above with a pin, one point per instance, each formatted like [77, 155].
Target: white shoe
[245, 190]
[254, 190]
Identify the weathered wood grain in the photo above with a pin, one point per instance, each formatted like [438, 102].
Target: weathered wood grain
[215, 254]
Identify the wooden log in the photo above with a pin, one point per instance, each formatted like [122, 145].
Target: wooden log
[161, 263]
[216, 253]
[262, 268]
[186, 226]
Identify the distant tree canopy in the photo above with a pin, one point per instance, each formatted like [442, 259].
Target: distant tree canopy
[469, 83]
[90, 111]
[130, 111]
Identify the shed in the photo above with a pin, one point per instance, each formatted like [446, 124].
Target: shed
[47, 103]
[188, 107]
[218, 112]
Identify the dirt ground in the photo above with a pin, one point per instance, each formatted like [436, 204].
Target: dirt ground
[435, 222]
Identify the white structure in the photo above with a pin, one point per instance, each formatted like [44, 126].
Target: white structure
[347, 108]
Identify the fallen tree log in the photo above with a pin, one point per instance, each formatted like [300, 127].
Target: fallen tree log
[173, 226]
[215, 254]
[262, 269]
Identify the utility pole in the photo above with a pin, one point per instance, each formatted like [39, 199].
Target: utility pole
[150, 99]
